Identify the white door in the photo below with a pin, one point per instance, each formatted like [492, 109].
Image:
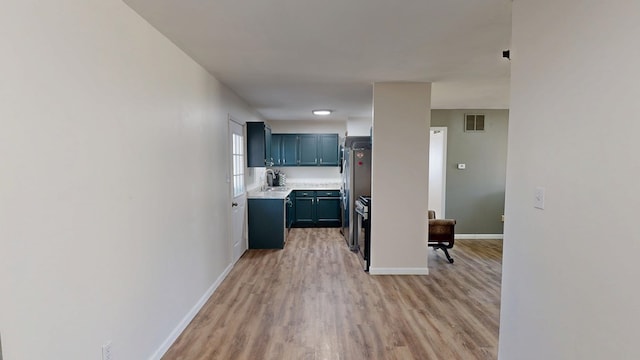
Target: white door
[237, 188]
[437, 169]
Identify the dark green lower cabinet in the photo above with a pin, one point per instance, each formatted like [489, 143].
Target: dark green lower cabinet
[328, 211]
[317, 208]
[267, 228]
[305, 210]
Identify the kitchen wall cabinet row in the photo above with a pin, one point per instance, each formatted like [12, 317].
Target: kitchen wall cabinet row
[305, 150]
[316, 208]
[265, 149]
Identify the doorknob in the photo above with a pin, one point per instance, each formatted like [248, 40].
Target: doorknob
[234, 204]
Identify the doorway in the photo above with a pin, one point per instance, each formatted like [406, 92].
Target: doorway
[237, 189]
[437, 170]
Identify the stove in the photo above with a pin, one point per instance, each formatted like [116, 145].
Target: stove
[363, 231]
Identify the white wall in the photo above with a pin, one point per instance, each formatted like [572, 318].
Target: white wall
[113, 208]
[310, 173]
[400, 178]
[359, 126]
[570, 271]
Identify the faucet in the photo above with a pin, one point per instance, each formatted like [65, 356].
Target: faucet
[266, 178]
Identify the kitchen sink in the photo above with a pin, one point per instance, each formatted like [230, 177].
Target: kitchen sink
[276, 188]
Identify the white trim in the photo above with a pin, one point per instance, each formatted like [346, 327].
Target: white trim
[443, 196]
[398, 271]
[164, 347]
[479, 236]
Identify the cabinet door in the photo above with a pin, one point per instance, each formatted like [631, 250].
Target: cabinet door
[266, 221]
[289, 150]
[258, 144]
[276, 149]
[308, 146]
[267, 142]
[305, 208]
[328, 211]
[328, 150]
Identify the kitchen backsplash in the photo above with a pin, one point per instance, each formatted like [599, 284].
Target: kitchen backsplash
[297, 175]
[311, 174]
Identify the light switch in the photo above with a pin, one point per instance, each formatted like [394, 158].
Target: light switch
[538, 198]
[462, 166]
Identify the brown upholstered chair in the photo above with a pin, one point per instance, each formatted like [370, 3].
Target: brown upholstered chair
[441, 234]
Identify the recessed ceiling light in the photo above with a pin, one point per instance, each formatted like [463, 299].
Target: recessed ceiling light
[322, 112]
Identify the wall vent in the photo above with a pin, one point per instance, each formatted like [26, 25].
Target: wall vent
[473, 122]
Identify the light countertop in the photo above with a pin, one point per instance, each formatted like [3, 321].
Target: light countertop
[282, 194]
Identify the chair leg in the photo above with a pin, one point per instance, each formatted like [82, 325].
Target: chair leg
[446, 252]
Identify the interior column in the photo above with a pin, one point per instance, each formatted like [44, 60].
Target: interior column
[400, 176]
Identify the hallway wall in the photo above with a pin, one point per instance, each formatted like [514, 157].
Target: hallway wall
[569, 270]
[113, 201]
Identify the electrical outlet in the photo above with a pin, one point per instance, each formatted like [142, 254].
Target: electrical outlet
[106, 351]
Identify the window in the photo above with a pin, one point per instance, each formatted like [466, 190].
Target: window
[473, 122]
[237, 155]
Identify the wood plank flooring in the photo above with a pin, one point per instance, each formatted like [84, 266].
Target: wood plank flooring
[313, 301]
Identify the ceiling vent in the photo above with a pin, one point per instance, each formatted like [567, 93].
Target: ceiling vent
[473, 122]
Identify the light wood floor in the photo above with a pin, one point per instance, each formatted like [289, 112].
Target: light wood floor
[313, 301]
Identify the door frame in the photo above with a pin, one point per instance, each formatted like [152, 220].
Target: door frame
[229, 179]
[443, 190]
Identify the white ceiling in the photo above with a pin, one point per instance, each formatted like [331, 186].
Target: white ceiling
[287, 57]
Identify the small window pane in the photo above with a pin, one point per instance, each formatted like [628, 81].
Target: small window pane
[479, 122]
[471, 123]
[237, 161]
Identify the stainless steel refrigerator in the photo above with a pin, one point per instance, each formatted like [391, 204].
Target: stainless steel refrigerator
[356, 182]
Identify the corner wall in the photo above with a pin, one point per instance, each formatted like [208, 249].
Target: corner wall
[570, 271]
[113, 200]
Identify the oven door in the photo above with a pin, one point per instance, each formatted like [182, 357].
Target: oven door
[362, 236]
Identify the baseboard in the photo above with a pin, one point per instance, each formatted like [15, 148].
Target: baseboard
[398, 271]
[479, 236]
[190, 315]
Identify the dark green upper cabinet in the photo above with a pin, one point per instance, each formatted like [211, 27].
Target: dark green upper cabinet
[276, 149]
[289, 149]
[305, 150]
[328, 150]
[258, 145]
[267, 142]
[308, 150]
